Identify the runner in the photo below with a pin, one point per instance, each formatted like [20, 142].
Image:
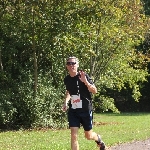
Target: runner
[79, 88]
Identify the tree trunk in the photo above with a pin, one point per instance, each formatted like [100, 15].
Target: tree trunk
[1, 65]
[34, 54]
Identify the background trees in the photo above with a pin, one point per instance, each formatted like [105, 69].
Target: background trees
[37, 36]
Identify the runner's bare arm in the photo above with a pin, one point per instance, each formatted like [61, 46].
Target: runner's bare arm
[67, 98]
[91, 87]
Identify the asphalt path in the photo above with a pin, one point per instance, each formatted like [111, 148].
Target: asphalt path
[136, 145]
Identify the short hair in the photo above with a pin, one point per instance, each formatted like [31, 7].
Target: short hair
[73, 57]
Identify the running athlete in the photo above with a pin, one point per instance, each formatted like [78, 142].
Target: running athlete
[79, 88]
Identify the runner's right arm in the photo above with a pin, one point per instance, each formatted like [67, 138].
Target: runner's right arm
[67, 98]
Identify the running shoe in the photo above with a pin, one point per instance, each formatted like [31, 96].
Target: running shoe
[102, 146]
[100, 143]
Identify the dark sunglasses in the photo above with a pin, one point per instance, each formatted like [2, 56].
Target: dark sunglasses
[70, 63]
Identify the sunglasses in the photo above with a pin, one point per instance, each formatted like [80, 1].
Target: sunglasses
[70, 63]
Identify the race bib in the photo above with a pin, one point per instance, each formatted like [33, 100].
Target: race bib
[76, 101]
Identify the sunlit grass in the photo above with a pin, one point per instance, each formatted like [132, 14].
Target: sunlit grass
[114, 128]
[124, 127]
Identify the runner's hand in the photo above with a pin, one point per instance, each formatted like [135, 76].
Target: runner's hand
[64, 107]
[82, 76]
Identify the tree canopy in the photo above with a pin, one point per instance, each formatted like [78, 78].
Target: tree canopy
[38, 35]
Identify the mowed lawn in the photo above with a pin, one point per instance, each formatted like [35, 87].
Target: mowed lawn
[114, 129]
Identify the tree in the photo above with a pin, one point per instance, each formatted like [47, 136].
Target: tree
[36, 38]
[104, 34]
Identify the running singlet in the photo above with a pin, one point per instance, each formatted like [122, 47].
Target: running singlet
[80, 96]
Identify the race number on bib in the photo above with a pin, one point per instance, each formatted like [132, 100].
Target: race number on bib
[76, 101]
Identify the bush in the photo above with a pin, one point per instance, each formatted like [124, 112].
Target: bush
[20, 109]
[48, 104]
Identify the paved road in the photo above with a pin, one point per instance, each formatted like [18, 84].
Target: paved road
[137, 145]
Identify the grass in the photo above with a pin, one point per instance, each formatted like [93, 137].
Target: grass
[114, 129]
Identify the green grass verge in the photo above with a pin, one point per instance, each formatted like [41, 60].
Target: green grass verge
[114, 129]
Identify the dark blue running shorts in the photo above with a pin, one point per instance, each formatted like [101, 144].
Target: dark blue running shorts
[75, 119]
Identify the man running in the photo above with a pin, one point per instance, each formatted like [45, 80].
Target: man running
[79, 88]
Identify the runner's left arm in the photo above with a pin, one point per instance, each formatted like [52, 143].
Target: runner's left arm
[91, 87]
[88, 82]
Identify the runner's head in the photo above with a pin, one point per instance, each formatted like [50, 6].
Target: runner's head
[72, 65]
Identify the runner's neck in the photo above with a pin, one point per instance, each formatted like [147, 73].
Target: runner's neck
[73, 74]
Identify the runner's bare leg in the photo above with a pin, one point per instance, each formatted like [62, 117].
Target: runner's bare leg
[74, 138]
[90, 135]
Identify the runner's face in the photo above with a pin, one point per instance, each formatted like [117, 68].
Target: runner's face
[72, 65]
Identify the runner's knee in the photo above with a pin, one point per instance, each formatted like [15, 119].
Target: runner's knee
[88, 136]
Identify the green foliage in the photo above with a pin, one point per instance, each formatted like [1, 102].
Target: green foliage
[147, 6]
[104, 104]
[120, 73]
[6, 108]
[48, 105]
[37, 36]
[19, 108]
